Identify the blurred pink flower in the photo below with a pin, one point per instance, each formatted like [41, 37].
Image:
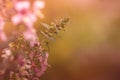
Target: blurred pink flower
[30, 35]
[7, 55]
[27, 16]
[38, 72]
[39, 69]
[23, 14]
[20, 61]
[38, 4]
[34, 43]
[21, 64]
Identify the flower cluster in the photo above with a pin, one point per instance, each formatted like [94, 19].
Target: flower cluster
[26, 57]
[27, 16]
[24, 12]
[21, 61]
[24, 60]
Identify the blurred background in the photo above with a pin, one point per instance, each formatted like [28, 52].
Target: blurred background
[89, 49]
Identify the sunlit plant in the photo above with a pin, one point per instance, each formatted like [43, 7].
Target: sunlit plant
[26, 57]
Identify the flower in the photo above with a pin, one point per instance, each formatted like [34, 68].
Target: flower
[39, 4]
[30, 35]
[29, 63]
[34, 43]
[27, 16]
[20, 60]
[23, 14]
[38, 71]
[7, 55]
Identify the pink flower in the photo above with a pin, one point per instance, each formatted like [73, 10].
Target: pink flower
[30, 35]
[23, 14]
[34, 43]
[38, 72]
[7, 55]
[27, 16]
[20, 60]
[21, 5]
[38, 4]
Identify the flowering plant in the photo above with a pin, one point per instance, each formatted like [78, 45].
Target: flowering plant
[26, 57]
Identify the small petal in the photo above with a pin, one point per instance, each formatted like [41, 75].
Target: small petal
[20, 5]
[16, 19]
[40, 58]
[29, 35]
[38, 72]
[20, 60]
[34, 43]
[29, 19]
[43, 68]
[7, 54]
[39, 4]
